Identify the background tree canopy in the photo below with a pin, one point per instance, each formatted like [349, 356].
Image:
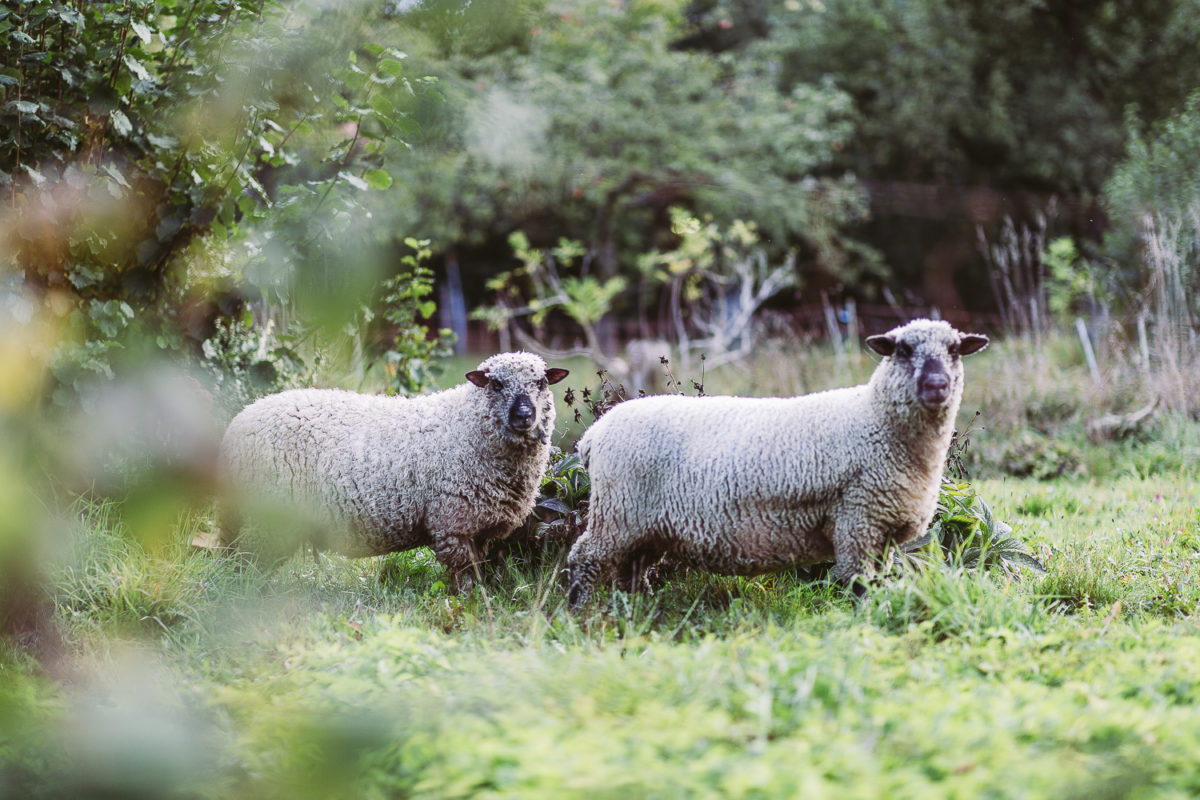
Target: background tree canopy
[164, 163]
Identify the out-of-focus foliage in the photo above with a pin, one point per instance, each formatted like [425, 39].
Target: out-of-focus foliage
[593, 124]
[1160, 173]
[132, 131]
[1023, 94]
[712, 285]
[1153, 244]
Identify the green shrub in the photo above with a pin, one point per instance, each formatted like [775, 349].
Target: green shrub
[964, 534]
[411, 360]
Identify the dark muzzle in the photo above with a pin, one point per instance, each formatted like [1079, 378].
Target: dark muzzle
[521, 414]
[933, 386]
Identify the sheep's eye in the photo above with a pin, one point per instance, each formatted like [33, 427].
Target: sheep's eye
[496, 385]
[903, 350]
[543, 384]
[953, 350]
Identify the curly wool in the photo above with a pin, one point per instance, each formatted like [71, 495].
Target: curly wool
[744, 486]
[365, 475]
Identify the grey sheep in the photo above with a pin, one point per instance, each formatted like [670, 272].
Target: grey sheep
[743, 486]
[366, 474]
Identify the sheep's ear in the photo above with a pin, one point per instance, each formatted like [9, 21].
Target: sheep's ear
[478, 378]
[971, 343]
[883, 344]
[556, 374]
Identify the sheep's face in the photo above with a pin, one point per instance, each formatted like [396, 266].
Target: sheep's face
[924, 362]
[517, 390]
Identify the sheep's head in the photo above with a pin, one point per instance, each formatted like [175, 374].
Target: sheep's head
[923, 363]
[517, 387]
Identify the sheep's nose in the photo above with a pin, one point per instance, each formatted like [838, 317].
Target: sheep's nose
[934, 388]
[521, 415]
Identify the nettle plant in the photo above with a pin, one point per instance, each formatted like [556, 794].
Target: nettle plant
[964, 532]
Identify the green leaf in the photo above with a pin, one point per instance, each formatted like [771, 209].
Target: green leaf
[382, 105]
[116, 175]
[354, 180]
[136, 68]
[143, 32]
[555, 504]
[378, 179]
[37, 177]
[391, 67]
[23, 107]
[121, 124]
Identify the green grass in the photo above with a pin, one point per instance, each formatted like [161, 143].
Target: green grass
[181, 674]
[188, 675]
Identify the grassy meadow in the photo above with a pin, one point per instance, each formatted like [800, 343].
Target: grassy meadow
[181, 674]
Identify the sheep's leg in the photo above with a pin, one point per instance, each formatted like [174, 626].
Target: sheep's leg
[856, 547]
[585, 563]
[460, 558]
[631, 575]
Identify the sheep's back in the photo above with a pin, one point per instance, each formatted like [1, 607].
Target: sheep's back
[704, 457]
[334, 456]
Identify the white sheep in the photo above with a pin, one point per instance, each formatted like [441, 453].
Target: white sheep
[744, 486]
[368, 474]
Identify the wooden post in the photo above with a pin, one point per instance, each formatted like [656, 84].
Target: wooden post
[1088, 353]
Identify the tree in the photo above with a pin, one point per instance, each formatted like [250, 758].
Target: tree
[594, 125]
[1024, 94]
[135, 134]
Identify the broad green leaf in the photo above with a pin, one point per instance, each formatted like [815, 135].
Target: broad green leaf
[120, 122]
[143, 32]
[116, 175]
[136, 68]
[391, 67]
[555, 504]
[383, 105]
[378, 179]
[37, 177]
[353, 180]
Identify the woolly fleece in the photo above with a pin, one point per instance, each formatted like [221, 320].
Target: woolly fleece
[744, 486]
[367, 474]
